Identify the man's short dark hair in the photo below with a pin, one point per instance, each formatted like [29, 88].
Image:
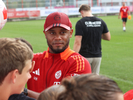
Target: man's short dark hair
[84, 7]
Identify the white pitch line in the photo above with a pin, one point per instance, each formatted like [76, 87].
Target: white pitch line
[119, 79]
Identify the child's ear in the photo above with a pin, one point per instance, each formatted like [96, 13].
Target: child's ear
[14, 75]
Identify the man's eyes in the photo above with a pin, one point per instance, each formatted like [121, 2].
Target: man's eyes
[63, 32]
[52, 33]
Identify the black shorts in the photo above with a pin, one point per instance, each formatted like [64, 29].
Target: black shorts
[124, 19]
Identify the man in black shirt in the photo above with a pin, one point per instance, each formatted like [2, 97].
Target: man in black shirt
[89, 32]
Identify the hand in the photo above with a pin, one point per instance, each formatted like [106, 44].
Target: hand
[118, 17]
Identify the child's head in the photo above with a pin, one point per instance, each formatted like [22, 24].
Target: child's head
[90, 87]
[15, 63]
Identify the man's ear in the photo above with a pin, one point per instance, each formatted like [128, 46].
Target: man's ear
[14, 75]
[71, 32]
[44, 33]
[81, 12]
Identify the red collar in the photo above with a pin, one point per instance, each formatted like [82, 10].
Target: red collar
[64, 55]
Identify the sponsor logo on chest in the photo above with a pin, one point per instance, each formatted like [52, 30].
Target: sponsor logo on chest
[58, 74]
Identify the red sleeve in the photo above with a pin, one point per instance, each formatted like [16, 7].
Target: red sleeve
[78, 65]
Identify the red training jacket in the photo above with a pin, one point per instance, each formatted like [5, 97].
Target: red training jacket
[50, 68]
[124, 12]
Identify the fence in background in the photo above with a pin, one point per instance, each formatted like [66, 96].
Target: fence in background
[41, 8]
[11, 4]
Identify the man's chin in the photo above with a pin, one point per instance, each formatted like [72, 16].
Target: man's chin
[59, 50]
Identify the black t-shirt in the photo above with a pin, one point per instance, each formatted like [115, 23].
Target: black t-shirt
[20, 97]
[91, 29]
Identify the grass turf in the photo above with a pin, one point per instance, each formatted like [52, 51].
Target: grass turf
[117, 54]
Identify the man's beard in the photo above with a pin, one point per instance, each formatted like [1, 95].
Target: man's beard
[58, 50]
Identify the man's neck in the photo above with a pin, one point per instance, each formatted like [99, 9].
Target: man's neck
[87, 14]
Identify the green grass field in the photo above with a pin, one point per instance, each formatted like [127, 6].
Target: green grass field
[117, 54]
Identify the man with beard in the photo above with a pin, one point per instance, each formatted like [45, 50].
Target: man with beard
[59, 60]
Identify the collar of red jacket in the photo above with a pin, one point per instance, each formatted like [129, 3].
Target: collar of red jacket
[64, 55]
[128, 95]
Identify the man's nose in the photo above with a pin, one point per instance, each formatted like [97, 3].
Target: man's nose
[57, 37]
